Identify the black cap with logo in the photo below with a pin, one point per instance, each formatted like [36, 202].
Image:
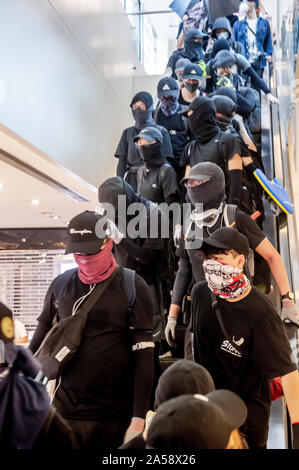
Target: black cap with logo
[82, 236]
[168, 86]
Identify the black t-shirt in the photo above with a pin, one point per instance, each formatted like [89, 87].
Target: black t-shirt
[177, 131]
[192, 265]
[218, 150]
[98, 381]
[127, 148]
[157, 184]
[258, 331]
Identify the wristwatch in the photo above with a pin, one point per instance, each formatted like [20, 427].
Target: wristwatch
[289, 296]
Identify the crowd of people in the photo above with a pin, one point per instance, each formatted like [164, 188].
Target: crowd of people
[195, 257]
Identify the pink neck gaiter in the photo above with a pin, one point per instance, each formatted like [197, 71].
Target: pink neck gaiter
[93, 269]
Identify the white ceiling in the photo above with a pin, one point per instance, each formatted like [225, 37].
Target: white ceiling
[17, 210]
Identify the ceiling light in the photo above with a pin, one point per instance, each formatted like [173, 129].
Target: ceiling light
[35, 202]
[1, 185]
[55, 217]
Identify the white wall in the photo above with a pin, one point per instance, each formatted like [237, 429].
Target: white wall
[67, 70]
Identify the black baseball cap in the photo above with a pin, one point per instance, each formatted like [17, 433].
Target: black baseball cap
[181, 378]
[82, 237]
[197, 421]
[167, 86]
[192, 71]
[228, 239]
[204, 171]
[149, 133]
[6, 324]
[224, 59]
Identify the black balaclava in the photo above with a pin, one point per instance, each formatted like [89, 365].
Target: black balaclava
[225, 91]
[143, 118]
[193, 50]
[220, 45]
[211, 193]
[110, 190]
[169, 105]
[226, 109]
[202, 121]
[152, 155]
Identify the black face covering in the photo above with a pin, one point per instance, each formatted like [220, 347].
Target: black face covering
[193, 50]
[192, 87]
[212, 192]
[143, 118]
[202, 121]
[151, 155]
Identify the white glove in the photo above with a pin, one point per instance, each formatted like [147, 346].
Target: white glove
[290, 311]
[178, 230]
[113, 232]
[271, 99]
[170, 331]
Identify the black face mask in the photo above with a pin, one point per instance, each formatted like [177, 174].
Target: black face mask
[209, 194]
[143, 118]
[202, 121]
[192, 87]
[151, 154]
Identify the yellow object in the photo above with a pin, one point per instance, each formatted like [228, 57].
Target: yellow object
[203, 67]
[6, 327]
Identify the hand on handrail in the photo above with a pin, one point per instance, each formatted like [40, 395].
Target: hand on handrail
[271, 99]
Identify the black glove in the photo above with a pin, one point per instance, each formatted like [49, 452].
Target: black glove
[295, 428]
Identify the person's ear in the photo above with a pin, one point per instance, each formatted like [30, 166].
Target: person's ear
[241, 261]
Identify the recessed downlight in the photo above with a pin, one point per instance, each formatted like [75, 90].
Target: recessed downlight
[35, 202]
[1, 185]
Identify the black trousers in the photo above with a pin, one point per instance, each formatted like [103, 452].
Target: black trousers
[99, 434]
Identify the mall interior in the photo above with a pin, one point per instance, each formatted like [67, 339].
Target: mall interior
[69, 70]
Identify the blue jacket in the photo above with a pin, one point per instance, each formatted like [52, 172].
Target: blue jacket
[263, 38]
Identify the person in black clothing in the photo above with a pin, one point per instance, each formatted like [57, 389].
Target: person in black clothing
[27, 419]
[211, 144]
[157, 179]
[241, 341]
[129, 159]
[104, 391]
[206, 185]
[193, 50]
[193, 84]
[222, 30]
[167, 114]
[181, 378]
[179, 69]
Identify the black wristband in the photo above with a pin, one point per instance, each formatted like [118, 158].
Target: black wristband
[295, 428]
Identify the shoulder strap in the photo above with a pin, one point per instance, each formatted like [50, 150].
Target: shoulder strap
[162, 172]
[229, 214]
[219, 316]
[61, 283]
[250, 29]
[130, 287]
[156, 111]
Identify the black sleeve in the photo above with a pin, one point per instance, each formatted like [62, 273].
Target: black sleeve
[235, 186]
[185, 158]
[143, 309]
[45, 319]
[169, 182]
[172, 60]
[122, 148]
[245, 105]
[166, 148]
[249, 228]
[142, 322]
[257, 81]
[182, 280]
[121, 166]
[232, 144]
[271, 350]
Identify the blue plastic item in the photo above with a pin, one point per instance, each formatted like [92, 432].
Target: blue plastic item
[276, 191]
